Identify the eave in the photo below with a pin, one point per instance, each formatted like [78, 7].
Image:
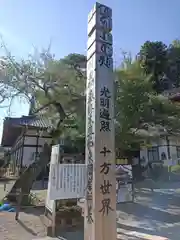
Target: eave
[13, 127]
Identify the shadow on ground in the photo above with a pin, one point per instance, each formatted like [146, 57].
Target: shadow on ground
[37, 211]
[26, 228]
[156, 213]
[139, 211]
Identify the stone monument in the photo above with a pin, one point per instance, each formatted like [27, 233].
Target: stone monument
[100, 198]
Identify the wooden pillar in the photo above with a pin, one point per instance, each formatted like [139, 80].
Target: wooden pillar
[100, 199]
[51, 205]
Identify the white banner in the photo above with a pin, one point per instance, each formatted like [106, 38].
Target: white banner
[67, 181]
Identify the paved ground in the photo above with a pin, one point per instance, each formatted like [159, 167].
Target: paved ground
[28, 227]
[153, 214]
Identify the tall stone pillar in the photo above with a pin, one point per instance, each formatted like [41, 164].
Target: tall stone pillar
[100, 200]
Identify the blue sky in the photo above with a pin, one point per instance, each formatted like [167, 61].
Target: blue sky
[25, 24]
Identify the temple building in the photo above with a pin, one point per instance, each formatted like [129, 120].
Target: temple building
[25, 136]
[165, 147]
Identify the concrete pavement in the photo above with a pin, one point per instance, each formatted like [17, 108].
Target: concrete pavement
[154, 216]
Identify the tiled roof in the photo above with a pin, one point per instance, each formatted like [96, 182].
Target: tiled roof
[11, 129]
[31, 121]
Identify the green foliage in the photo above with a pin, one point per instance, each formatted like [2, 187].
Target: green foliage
[59, 89]
[153, 58]
[173, 63]
[132, 97]
[75, 60]
[141, 113]
[162, 62]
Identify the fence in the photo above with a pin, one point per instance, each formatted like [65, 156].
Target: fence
[14, 172]
[9, 172]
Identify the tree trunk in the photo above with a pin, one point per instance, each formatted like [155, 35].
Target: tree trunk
[26, 188]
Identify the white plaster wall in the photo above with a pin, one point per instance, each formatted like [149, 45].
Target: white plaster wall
[34, 132]
[31, 132]
[173, 152]
[143, 154]
[45, 134]
[163, 148]
[30, 140]
[174, 142]
[28, 151]
[19, 155]
[16, 148]
[27, 155]
[43, 140]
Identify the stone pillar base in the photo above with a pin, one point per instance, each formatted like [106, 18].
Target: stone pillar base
[67, 219]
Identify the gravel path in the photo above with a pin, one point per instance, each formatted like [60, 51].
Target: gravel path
[153, 216]
[28, 227]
